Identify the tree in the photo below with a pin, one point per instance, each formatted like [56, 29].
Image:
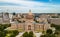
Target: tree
[30, 34]
[49, 31]
[14, 13]
[48, 35]
[12, 33]
[25, 34]
[52, 25]
[15, 32]
[2, 34]
[57, 27]
[2, 31]
[55, 16]
[42, 36]
[6, 33]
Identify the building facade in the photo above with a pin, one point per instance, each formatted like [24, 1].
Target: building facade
[27, 22]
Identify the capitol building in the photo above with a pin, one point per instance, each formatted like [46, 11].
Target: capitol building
[28, 22]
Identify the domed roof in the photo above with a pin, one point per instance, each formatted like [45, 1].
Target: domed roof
[29, 15]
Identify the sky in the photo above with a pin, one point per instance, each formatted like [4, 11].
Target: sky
[36, 6]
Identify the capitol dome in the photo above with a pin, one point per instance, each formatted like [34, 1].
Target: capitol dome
[30, 15]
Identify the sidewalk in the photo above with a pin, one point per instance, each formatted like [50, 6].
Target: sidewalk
[38, 34]
[20, 34]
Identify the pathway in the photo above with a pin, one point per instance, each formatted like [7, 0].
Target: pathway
[38, 34]
[20, 34]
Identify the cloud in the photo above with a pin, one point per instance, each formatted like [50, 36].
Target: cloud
[26, 9]
[26, 3]
[24, 6]
[8, 4]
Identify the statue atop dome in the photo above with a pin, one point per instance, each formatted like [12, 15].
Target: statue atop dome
[30, 13]
[29, 10]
